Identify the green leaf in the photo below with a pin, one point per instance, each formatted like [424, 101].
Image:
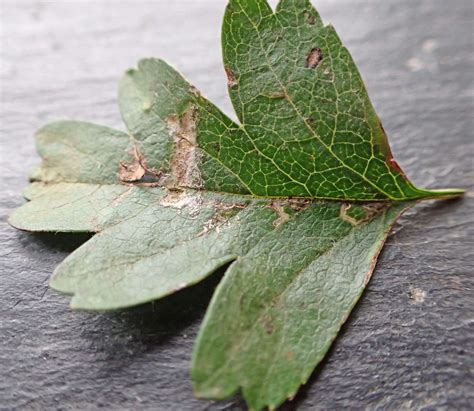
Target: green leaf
[187, 191]
[284, 302]
[166, 243]
[305, 109]
[95, 151]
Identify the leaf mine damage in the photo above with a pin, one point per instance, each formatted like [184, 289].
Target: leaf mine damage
[180, 199]
[310, 18]
[292, 205]
[131, 172]
[231, 79]
[314, 57]
[185, 171]
[276, 95]
[283, 216]
[357, 214]
[136, 171]
[221, 218]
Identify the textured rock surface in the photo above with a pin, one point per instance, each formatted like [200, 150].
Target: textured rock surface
[408, 344]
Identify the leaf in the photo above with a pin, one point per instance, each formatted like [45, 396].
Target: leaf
[284, 302]
[187, 191]
[94, 150]
[305, 109]
[162, 247]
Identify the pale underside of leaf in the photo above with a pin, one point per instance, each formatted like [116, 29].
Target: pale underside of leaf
[163, 246]
[283, 304]
[152, 242]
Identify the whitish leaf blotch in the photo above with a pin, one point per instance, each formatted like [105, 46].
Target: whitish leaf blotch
[187, 190]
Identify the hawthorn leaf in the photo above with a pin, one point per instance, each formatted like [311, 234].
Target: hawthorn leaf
[303, 105]
[78, 207]
[79, 152]
[296, 199]
[284, 302]
[172, 242]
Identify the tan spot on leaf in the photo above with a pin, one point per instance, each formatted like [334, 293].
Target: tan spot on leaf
[185, 172]
[314, 57]
[134, 170]
[231, 79]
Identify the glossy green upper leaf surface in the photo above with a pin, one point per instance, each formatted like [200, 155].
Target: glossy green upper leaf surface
[187, 191]
[304, 108]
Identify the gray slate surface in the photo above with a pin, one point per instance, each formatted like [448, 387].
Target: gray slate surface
[409, 343]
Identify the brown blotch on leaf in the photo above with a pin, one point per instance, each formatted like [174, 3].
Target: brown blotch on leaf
[310, 18]
[268, 325]
[135, 170]
[276, 94]
[314, 57]
[216, 146]
[231, 79]
[299, 204]
[224, 213]
[283, 217]
[131, 172]
[185, 172]
[371, 210]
